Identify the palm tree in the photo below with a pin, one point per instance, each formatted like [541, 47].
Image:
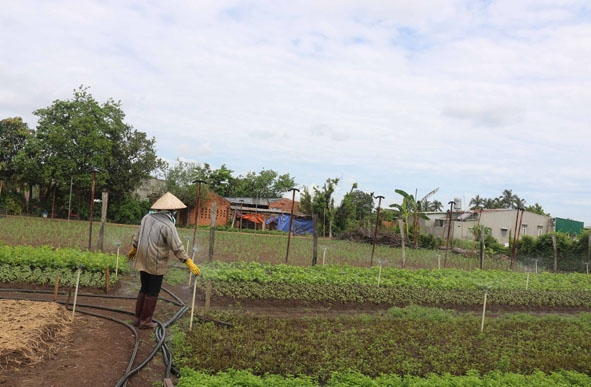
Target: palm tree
[436, 206]
[477, 202]
[536, 209]
[507, 199]
[492, 203]
[518, 202]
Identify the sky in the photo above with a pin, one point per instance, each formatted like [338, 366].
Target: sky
[471, 97]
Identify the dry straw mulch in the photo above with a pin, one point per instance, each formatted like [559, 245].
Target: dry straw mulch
[30, 331]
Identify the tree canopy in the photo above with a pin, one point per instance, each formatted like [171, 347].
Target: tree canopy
[356, 207]
[321, 203]
[181, 176]
[13, 137]
[80, 137]
[507, 199]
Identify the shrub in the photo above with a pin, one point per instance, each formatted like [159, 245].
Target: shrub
[129, 211]
[10, 205]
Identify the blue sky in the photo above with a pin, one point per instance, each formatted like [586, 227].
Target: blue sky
[473, 97]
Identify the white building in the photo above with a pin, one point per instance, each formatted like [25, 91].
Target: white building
[501, 222]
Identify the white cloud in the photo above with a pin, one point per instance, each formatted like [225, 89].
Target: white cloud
[473, 97]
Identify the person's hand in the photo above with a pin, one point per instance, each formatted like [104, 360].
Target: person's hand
[131, 254]
[194, 269]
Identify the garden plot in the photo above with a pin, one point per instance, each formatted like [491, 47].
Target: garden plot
[30, 331]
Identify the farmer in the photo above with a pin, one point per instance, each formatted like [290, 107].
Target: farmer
[156, 238]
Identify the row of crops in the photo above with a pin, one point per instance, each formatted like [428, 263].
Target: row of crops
[348, 379]
[391, 286]
[41, 265]
[411, 343]
[328, 283]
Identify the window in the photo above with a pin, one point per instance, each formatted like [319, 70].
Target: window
[524, 229]
[540, 230]
[504, 232]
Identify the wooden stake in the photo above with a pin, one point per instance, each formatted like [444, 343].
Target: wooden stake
[401, 227]
[193, 259]
[207, 296]
[107, 279]
[69, 297]
[55, 288]
[193, 305]
[555, 253]
[117, 261]
[76, 293]
[483, 310]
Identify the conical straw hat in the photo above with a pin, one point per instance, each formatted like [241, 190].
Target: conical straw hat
[168, 202]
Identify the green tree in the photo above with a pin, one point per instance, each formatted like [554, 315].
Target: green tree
[355, 207]
[265, 184]
[321, 203]
[220, 180]
[491, 203]
[180, 177]
[14, 134]
[434, 206]
[536, 209]
[80, 137]
[509, 200]
[402, 211]
[477, 203]
[411, 206]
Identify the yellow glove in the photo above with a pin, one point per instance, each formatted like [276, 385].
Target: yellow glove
[194, 269]
[131, 254]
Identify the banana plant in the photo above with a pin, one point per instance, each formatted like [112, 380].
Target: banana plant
[412, 207]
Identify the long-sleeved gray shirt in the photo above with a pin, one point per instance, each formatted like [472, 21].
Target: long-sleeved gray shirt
[154, 241]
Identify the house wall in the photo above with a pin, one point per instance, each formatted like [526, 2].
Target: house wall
[151, 189]
[501, 223]
[223, 213]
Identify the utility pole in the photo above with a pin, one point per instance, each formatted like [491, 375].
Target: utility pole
[241, 213]
[375, 231]
[91, 208]
[451, 210]
[290, 222]
[197, 204]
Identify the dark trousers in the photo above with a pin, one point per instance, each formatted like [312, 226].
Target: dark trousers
[151, 284]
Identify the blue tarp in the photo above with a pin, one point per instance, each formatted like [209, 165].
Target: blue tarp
[299, 225]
